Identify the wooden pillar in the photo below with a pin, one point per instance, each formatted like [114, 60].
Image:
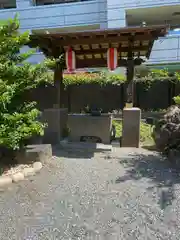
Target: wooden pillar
[131, 116]
[69, 98]
[58, 74]
[58, 83]
[130, 76]
[56, 117]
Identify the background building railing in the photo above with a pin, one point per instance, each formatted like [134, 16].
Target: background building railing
[49, 2]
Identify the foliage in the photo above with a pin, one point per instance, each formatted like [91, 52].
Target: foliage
[104, 78]
[177, 99]
[161, 73]
[177, 75]
[145, 132]
[101, 78]
[18, 118]
[166, 132]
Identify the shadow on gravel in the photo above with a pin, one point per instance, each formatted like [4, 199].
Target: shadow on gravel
[72, 153]
[157, 170]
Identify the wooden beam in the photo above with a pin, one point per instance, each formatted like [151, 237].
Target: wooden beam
[96, 40]
[93, 63]
[99, 36]
[101, 62]
[159, 29]
[104, 50]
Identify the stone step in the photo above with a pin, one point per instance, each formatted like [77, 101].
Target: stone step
[96, 147]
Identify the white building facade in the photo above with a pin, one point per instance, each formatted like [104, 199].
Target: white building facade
[72, 15]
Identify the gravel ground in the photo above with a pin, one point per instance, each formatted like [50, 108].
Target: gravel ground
[129, 194]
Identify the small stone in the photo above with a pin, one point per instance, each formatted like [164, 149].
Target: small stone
[37, 166]
[4, 180]
[28, 172]
[17, 177]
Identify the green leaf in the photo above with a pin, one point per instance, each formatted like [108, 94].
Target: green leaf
[18, 118]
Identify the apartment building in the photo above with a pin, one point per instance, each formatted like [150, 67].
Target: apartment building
[72, 15]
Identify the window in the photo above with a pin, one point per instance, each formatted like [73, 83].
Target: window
[49, 2]
[6, 4]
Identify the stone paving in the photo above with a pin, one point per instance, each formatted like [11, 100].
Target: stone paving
[129, 194]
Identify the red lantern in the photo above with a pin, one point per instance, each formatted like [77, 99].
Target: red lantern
[70, 60]
[112, 58]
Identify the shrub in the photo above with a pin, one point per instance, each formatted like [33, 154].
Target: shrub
[177, 100]
[18, 118]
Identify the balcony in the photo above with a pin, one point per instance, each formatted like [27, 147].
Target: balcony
[140, 3]
[154, 15]
[50, 2]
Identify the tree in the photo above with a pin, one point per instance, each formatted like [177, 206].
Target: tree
[18, 118]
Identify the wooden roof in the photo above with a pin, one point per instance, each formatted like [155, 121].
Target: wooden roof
[91, 46]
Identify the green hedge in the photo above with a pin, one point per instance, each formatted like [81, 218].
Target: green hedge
[93, 78]
[104, 78]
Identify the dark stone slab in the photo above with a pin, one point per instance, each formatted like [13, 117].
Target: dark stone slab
[174, 158]
[85, 146]
[35, 153]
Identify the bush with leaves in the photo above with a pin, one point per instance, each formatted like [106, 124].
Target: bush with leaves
[100, 78]
[177, 100]
[166, 132]
[18, 118]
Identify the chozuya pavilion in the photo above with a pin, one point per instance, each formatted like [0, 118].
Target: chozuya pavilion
[110, 48]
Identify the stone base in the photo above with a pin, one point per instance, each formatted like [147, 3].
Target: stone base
[84, 125]
[94, 147]
[57, 122]
[35, 153]
[131, 127]
[174, 158]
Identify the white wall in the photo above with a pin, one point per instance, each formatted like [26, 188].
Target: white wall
[115, 14]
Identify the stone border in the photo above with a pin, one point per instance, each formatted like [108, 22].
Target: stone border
[35, 153]
[21, 175]
[31, 159]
